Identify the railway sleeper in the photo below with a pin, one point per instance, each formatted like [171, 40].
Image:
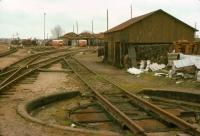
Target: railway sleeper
[6, 93]
[154, 115]
[189, 112]
[95, 121]
[86, 112]
[113, 117]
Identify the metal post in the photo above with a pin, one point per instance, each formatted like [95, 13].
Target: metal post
[195, 31]
[92, 26]
[131, 10]
[77, 26]
[44, 28]
[107, 20]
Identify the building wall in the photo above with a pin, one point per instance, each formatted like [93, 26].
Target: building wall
[157, 28]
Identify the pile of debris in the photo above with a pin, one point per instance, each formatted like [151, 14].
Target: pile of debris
[184, 60]
[187, 67]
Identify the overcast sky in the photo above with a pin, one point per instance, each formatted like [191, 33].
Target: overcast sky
[26, 17]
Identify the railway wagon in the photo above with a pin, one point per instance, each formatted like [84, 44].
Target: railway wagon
[82, 43]
[57, 43]
[27, 42]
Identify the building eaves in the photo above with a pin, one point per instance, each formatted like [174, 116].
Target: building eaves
[129, 22]
[136, 19]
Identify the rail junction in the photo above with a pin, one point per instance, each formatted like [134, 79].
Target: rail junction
[110, 102]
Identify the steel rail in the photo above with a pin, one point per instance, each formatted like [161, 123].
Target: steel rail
[23, 75]
[8, 72]
[120, 115]
[177, 121]
[44, 53]
[18, 70]
[9, 52]
[6, 85]
[27, 64]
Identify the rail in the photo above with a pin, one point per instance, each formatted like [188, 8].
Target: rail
[127, 121]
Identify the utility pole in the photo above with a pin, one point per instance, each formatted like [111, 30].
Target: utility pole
[73, 28]
[77, 26]
[131, 10]
[44, 25]
[107, 19]
[195, 31]
[92, 26]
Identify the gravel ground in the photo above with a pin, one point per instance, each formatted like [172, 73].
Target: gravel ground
[11, 124]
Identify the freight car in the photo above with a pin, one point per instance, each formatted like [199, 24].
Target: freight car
[27, 42]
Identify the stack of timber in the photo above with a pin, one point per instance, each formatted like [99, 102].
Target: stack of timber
[185, 47]
[149, 52]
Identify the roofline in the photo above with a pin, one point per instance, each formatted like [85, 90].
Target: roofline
[180, 20]
[148, 14]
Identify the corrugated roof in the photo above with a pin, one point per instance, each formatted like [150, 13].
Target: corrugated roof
[136, 19]
[187, 62]
[156, 66]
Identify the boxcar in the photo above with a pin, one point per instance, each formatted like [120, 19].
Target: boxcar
[26, 42]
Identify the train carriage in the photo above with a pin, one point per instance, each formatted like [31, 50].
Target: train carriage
[57, 43]
[82, 43]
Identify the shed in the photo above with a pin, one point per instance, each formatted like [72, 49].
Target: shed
[156, 29]
[99, 39]
[70, 38]
[88, 36]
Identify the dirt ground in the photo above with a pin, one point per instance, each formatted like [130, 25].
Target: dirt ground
[11, 124]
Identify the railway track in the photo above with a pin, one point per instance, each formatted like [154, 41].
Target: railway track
[122, 107]
[139, 115]
[29, 61]
[33, 58]
[12, 50]
[28, 67]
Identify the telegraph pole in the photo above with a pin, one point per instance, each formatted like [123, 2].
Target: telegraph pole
[77, 26]
[107, 19]
[44, 25]
[131, 10]
[195, 31]
[92, 26]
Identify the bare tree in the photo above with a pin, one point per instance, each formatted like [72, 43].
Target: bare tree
[57, 31]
